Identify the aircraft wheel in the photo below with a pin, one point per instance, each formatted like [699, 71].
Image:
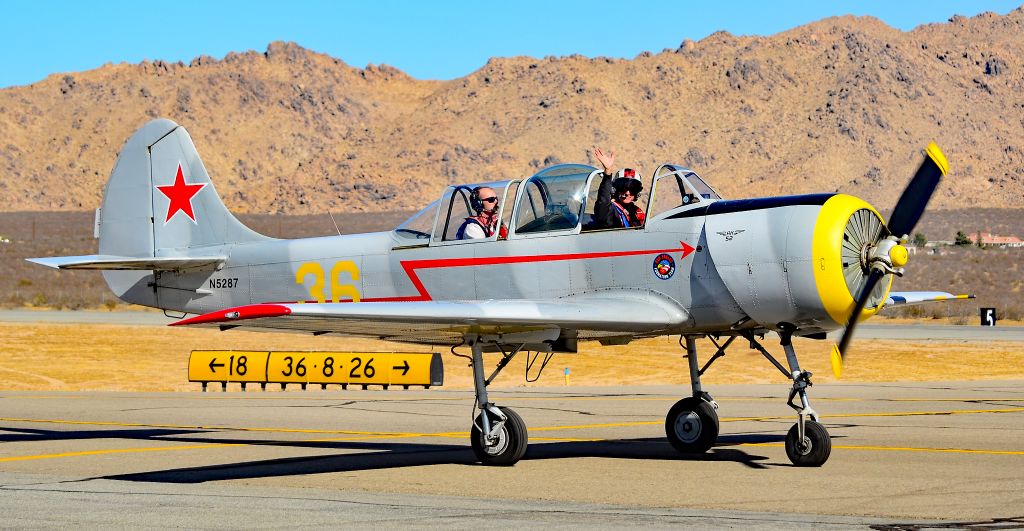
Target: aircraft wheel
[512, 441]
[692, 426]
[813, 450]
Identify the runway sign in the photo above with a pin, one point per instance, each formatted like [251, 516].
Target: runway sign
[319, 368]
[227, 366]
[988, 317]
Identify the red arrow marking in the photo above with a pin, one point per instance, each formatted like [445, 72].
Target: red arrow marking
[411, 266]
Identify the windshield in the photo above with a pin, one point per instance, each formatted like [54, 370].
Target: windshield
[553, 199]
[419, 225]
[465, 217]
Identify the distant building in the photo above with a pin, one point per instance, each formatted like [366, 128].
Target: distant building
[987, 238]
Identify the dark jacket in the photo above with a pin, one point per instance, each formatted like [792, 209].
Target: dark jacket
[605, 215]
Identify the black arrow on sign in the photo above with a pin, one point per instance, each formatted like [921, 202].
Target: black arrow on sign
[212, 365]
[404, 367]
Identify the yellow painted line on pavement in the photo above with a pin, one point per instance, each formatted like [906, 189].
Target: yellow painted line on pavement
[117, 451]
[927, 413]
[367, 435]
[542, 428]
[789, 417]
[187, 427]
[206, 446]
[904, 449]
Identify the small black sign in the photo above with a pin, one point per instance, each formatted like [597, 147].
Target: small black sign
[988, 317]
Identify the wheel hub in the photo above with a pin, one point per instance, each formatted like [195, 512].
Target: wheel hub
[498, 445]
[805, 446]
[688, 427]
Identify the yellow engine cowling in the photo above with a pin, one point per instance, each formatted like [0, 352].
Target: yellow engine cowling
[837, 276]
[799, 260]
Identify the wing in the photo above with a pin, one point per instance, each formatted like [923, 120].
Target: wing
[448, 322]
[906, 298]
[108, 262]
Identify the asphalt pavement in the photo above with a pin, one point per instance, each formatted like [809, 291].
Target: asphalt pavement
[903, 454]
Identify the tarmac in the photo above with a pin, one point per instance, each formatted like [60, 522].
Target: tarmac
[905, 455]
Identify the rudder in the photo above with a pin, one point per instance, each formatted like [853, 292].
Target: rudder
[160, 202]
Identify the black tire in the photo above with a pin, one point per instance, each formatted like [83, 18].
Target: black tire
[815, 449]
[692, 426]
[512, 441]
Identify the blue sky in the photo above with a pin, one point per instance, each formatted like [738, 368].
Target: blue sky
[428, 40]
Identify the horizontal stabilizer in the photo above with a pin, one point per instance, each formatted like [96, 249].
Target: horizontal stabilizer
[904, 298]
[149, 263]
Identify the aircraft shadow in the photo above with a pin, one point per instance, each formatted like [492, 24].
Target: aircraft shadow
[30, 435]
[386, 455]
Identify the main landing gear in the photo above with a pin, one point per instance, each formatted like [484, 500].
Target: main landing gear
[692, 423]
[498, 435]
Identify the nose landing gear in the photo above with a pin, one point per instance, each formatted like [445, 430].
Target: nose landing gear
[807, 442]
[692, 423]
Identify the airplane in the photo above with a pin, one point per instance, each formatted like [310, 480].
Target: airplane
[700, 266]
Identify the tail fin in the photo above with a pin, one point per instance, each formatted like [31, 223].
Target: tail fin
[160, 201]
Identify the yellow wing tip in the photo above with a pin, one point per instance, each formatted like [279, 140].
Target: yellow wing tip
[837, 362]
[936, 155]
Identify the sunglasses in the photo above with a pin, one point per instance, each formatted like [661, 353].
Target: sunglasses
[489, 199]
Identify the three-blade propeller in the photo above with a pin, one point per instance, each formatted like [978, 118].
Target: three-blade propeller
[904, 218]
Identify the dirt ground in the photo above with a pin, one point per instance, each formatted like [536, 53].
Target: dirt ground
[152, 358]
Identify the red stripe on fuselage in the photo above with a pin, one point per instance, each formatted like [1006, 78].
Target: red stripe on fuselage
[411, 266]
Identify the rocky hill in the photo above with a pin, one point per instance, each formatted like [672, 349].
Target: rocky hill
[840, 104]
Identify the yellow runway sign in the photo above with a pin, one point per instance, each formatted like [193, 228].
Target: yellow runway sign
[227, 366]
[321, 368]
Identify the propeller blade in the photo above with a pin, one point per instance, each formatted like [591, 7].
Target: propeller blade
[851, 323]
[915, 197]
[904, 218]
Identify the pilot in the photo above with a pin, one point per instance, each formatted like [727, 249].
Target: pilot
[616, 198]
[484, 201]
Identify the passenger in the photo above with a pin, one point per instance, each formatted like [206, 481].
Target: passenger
[484, 201]
[618, 209]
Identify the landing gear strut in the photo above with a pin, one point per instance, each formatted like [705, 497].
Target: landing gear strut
[692, 423]
[498, 435]
[808, 442]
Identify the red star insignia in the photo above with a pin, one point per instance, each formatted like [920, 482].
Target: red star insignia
[181, 195]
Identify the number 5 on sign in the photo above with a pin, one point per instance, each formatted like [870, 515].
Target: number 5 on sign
[339, 290]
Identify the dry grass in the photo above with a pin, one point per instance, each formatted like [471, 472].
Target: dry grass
[144, 358]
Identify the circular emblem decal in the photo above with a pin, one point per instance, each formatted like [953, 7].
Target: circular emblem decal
[664, 266]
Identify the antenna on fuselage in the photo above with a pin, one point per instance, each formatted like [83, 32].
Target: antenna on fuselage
[335, 222]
